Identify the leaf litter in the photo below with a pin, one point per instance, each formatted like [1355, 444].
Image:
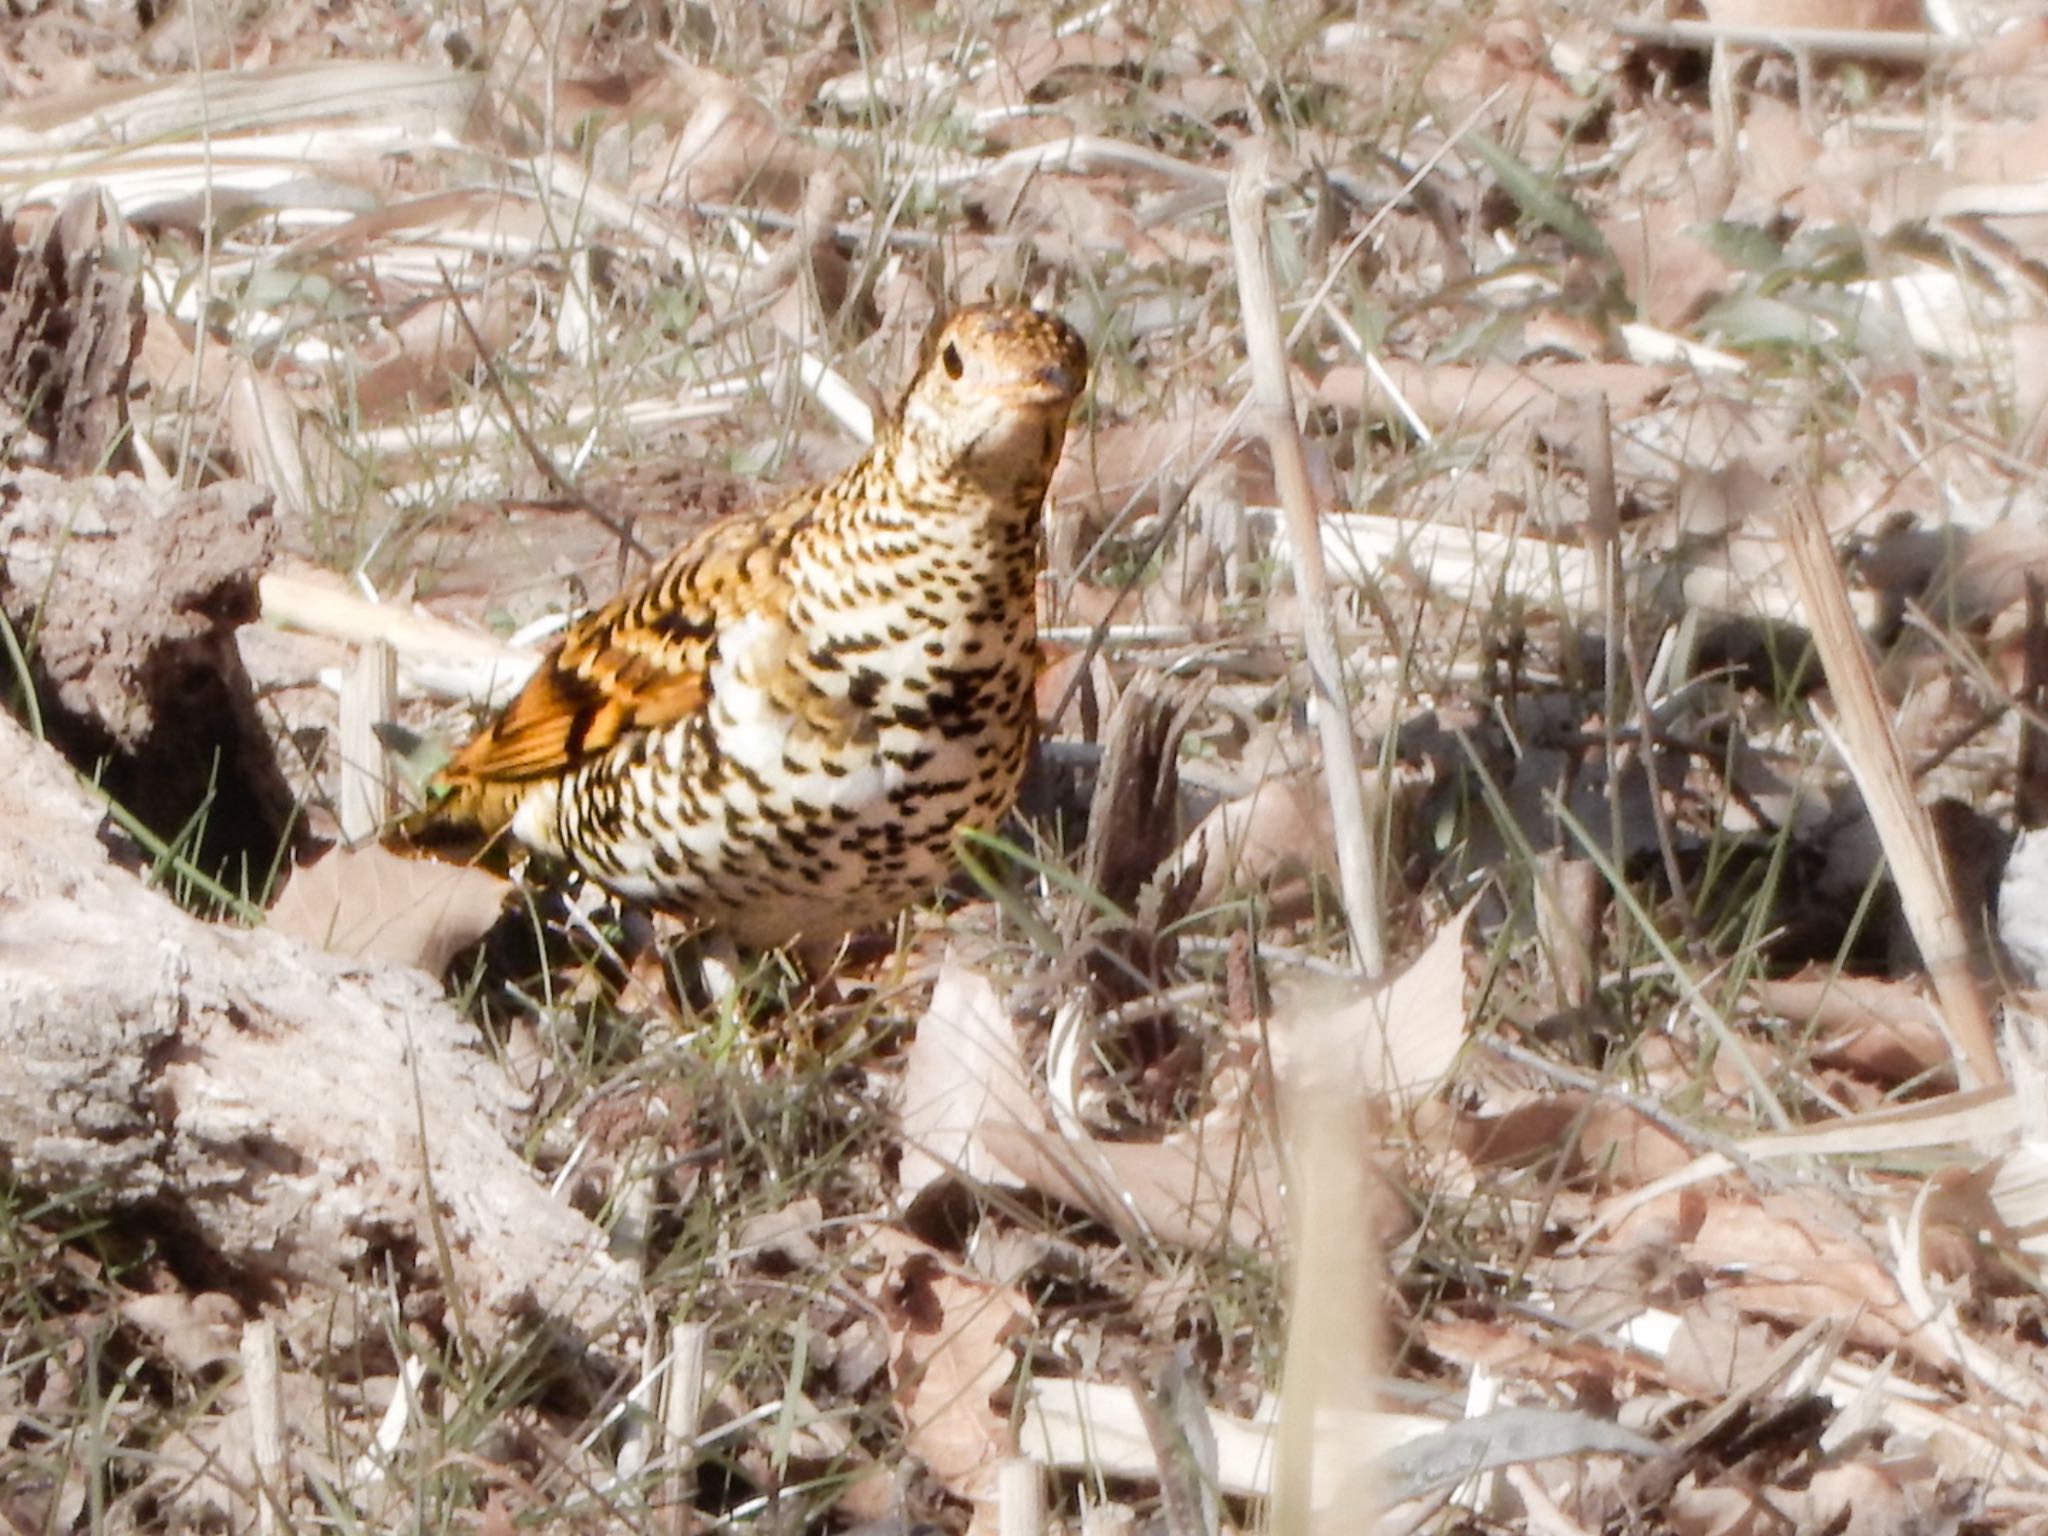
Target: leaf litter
[1685, 1223]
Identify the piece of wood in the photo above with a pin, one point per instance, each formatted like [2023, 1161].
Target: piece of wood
[296, 1116]
[126, 603]
[70, 326]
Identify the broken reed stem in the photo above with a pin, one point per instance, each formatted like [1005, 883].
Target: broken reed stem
[369, 697]
[1108, 1520]
[682, 1413]
[1865, 738]
[1273, 409]
[1020, 1498]
[1331, 1366]
[266, 1420]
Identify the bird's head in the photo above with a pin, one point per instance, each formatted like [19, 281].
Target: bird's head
[988, 411]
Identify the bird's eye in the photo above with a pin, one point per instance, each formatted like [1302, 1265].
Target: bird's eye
[951, 358]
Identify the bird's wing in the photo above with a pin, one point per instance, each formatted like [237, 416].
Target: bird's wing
[642, 661]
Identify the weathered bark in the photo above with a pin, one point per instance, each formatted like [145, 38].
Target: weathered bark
[286, 1117]
[126, 603]
[70, 326]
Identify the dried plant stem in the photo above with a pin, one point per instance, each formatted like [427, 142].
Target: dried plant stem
[1020, 1498]
[266, 1426]
[682, 1414]
[1822, 42]
[1333, 1316]
[1273, 410]
[1865, 739]
[369, 696]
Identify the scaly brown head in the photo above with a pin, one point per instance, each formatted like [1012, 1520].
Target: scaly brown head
[988, 411]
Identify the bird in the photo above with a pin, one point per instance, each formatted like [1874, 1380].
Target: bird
[783, 730]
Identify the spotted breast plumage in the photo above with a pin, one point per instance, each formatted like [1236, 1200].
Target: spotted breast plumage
[784, 728]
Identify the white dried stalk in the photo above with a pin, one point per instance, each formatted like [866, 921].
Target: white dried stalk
[266, 1420]
[1020, 1498]
[442, 657]
[682, 1414]
[368, 1469]
[402, 97]
[1273, 409]
[1817, 42]
[369, 697]
[1331, 1364]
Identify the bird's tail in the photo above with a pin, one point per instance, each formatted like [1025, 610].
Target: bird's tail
[463, 821]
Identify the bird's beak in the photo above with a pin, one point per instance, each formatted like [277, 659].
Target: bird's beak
[1054, 384]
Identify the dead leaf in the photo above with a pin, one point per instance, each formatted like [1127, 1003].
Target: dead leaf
[370, 904]
[1216, 1179]
[1779, 1256]
[1109, 465]
[1280, 829]
[1617, 1145]
[1881, 1027]
[949, 1351]
[196, 1331]
[732, 147]
[1086, 675]
[964, 1072]
[1397, 1039]
[416, 365]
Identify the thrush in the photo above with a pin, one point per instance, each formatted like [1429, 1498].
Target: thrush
[785, 728]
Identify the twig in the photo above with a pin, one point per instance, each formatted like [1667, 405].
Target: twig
[1837, 42]
[1603, 533]
[1273, 409]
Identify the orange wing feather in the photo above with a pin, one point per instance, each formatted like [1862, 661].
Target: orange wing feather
[604, 682]
[639, 663]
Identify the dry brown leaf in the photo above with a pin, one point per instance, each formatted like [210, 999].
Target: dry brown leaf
[1110, 464]
[732, 147]
[416, 365]
[968, 1107]
[1087, 676]
[1214, 1180]
[1671, 272]
[370, 904]
[949, 1350]
[1884, 1028]
[1716, 1348]
[1611, 1141]
[1396, 1040]
[196, 1330]
[963, 1073]
[177, 376]
[1031, 51]
[1280, 829]
[1778, 1253]
[1073, 222]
